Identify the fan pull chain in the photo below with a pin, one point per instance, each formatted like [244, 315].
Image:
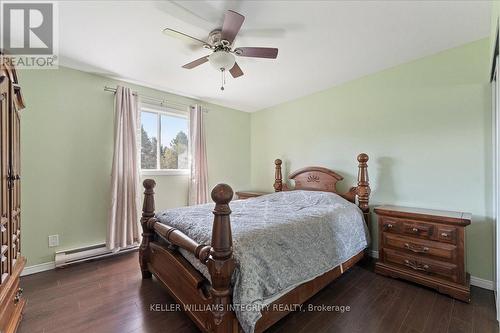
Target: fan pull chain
[223, 78]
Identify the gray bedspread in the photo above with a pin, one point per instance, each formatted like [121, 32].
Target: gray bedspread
[280, 241]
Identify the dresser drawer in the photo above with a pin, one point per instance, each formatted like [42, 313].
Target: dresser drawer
[408, 227]
[420, 247]
[420, 230]
[390, 225]
[8, 306]
[422, 265]
[447, 234]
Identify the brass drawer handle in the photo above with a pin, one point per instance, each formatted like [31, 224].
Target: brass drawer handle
[444, 234]
[19, 293]
[415, 230]
[416, 266]
[409, 246]
[388, 226]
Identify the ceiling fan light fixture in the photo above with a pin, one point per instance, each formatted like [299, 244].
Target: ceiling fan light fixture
[222, 60]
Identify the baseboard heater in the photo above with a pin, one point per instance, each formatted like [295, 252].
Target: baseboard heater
[69, 257]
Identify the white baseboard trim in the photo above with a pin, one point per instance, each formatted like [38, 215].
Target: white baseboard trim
[46, 266]
[482, 283]
[474, 280]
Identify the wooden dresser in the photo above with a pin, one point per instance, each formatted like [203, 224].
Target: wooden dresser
[249, 194]
[424, 246]
[12, 263]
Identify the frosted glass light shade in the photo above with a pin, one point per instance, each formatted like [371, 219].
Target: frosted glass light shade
[222, 60]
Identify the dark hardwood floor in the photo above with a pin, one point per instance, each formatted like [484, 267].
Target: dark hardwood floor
[109, 296]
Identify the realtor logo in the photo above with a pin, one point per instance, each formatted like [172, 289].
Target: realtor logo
[28, 28]
[28, 34]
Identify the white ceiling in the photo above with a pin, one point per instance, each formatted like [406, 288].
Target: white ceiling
[321, 43]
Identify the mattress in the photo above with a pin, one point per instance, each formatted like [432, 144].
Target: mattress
[280, 241]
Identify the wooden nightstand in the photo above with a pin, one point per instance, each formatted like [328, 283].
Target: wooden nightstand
[424, 246]
[249, 194]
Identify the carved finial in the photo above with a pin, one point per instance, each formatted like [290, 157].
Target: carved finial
[148, 208]
[149, 184]
[363, 190]
[222, 194]
[278, 178]
[363, 158]
[148, 212]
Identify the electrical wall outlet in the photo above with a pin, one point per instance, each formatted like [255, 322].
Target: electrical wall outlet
[53, 240]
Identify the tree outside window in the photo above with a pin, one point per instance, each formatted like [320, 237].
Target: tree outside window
[164, 141]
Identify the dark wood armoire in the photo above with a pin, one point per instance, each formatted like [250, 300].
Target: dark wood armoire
[12, 263]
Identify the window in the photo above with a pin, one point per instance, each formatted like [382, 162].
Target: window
[164, 141]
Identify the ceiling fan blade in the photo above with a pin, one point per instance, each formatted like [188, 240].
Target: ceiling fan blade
[236, 71]
[257, 52]
[182, 36]
[231, 26]
[195, 63]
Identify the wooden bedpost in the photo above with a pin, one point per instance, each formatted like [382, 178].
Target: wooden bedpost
[363, 190]
[221, 262]
[278, 178]
[148, 211]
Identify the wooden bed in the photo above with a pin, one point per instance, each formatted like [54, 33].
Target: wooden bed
[189, 287]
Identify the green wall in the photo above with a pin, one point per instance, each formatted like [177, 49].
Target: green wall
[67, 143]
[495, 14]
[426, 126]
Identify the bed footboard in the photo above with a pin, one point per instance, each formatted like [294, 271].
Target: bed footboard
[185, 284]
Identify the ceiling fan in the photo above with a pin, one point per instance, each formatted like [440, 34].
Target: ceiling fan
[220, 41]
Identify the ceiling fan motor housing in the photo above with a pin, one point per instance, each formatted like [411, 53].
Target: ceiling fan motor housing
[215, 37]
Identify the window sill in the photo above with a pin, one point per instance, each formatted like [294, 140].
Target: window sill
[182, 172]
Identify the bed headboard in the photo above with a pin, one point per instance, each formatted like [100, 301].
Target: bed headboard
[323, 179]
[316, 179]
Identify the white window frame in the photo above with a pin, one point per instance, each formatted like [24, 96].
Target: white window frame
[159, 111]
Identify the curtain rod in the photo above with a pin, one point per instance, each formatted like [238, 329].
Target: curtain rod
[163, 102]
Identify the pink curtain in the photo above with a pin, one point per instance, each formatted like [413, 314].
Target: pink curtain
[198, 184]
[123, 224]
